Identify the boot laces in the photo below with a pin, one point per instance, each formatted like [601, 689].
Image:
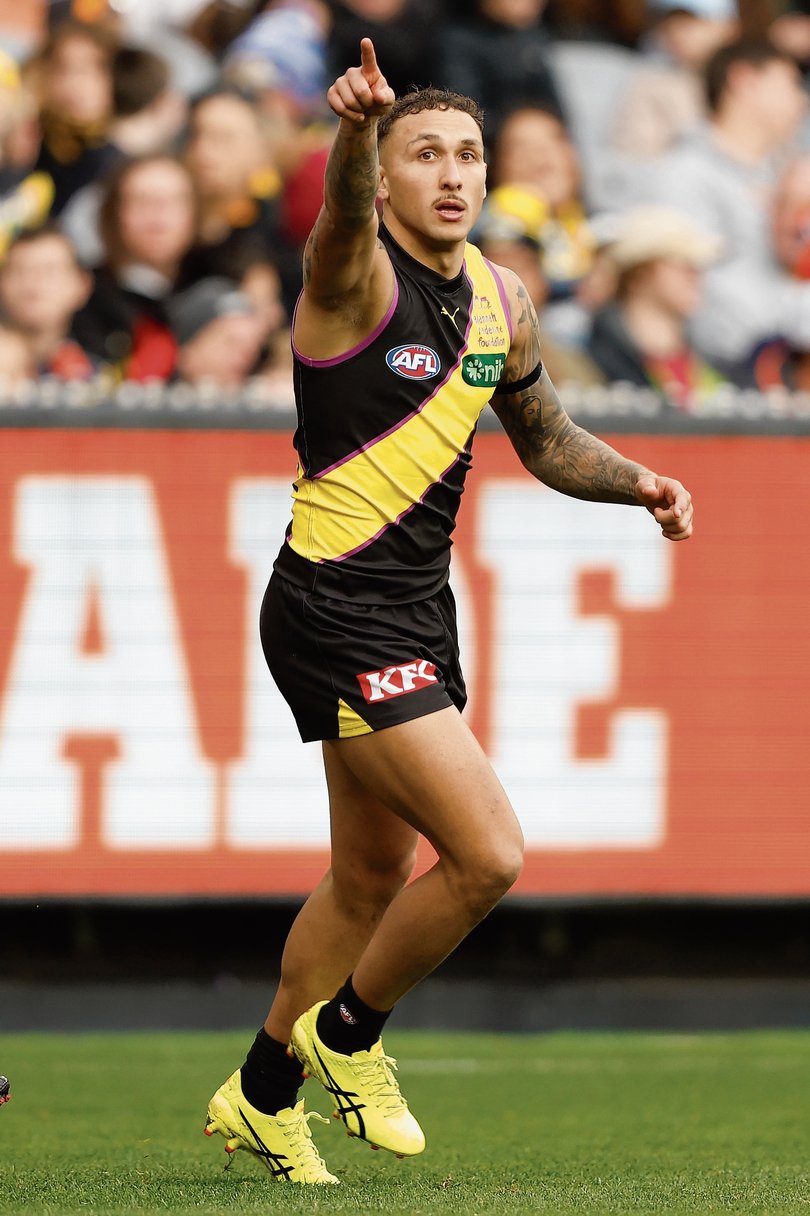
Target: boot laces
[378, 1078]
[297, 1131]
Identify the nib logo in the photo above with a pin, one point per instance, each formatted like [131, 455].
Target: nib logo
[347, 1014]
[394, 681]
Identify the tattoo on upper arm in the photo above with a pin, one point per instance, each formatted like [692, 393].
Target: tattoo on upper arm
[524, 355]
[310, 252]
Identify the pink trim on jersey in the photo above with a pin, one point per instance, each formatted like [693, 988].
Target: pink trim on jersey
[371, 442]
[503, 295]
[355, 350]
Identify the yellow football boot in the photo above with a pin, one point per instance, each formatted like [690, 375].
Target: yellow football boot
[366, 1094]
[282, 1142]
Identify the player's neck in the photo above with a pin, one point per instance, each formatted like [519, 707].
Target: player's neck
[445, 259]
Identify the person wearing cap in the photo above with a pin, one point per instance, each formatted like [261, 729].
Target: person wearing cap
[641, 337]
[219, 334]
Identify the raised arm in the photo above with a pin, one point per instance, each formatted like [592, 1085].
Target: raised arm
[560, 453]
[341, 250]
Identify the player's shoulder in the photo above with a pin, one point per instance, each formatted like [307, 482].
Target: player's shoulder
[517, 296]
[511, 281]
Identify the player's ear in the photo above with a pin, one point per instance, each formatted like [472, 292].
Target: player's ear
[382, 187]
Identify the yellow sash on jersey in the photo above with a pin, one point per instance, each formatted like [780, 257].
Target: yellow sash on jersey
[350, 506]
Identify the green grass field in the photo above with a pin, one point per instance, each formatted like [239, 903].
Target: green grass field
[564, 1123]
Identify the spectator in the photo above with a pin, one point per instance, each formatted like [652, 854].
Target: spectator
[148, 224]
[219, 334]
[641, 337]
[782, 363]
[537, 199]
[282, 56]
[665, 99]
[229, 159]
[75, 74]
[160, 25]
[724, 178]
[538, 185]
[148, 113]
[586, 20]
[42, 287]
[500, 57]
[405, 34]
[790, 31]
[25, 198]
[19, 127]
[219, 22]
[790, 218]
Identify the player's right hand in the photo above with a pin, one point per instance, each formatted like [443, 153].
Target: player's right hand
[361, 92]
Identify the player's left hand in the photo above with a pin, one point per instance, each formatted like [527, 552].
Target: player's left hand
[669, 502]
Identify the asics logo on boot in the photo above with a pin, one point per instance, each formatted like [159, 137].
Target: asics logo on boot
[343, 1098]
[272, 1160]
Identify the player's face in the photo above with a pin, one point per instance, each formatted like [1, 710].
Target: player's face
[433, 175]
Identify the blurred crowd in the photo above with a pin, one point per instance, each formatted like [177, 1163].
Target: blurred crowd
[162, 161]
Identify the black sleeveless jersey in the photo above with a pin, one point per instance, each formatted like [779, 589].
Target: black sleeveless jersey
[385, 433]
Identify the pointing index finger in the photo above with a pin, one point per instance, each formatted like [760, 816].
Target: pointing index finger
[368, 61]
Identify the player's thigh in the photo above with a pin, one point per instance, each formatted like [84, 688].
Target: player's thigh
[432, 772]
[373, 849]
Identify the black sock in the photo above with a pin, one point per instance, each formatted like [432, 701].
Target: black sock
[270, 1079]
[347, 1024]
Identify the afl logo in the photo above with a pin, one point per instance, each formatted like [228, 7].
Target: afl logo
[414, 362]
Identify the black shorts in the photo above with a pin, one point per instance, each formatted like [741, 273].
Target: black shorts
[347, 668]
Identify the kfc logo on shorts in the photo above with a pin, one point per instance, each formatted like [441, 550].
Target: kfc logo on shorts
[394, 681]
[414, 362]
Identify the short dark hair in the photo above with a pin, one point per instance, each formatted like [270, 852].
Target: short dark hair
[139, 78]
[756, 52]
[28, 236]
[429, 99]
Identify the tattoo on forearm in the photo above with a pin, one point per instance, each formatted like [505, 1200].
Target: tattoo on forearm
[560, 453]
[352, 175]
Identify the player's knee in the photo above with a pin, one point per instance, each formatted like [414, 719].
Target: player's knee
[504, 868]
[370, 884]
[483, 879]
